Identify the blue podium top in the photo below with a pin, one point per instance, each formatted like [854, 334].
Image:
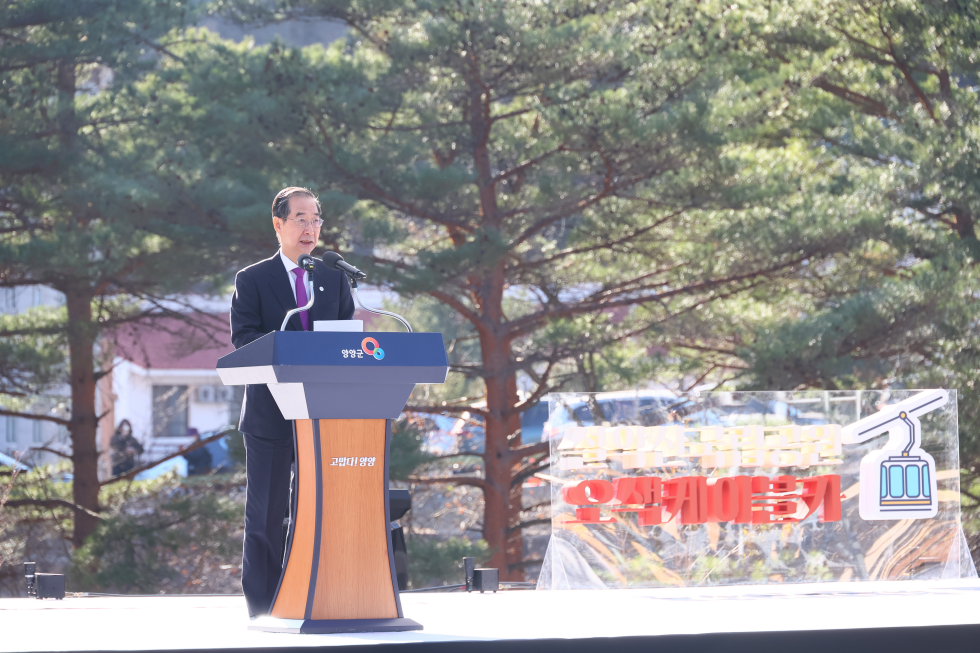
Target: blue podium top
[337, 357]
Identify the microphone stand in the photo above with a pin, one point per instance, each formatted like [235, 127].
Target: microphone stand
[309, 304]
[353, 287]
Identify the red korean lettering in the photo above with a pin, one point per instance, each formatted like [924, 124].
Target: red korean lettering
[774, 499]
[631, 490]
[823, 492]
[588, 493]
[686, 498]
[723, 499]
[642, 490]
[587, 516]
[744, 515]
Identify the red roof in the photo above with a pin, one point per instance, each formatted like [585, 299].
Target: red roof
[175, 344]
[193, 344]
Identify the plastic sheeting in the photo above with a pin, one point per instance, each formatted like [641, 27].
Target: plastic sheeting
[624, 554]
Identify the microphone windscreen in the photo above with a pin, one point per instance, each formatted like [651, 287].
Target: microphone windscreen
[305, 261]
[331, 259]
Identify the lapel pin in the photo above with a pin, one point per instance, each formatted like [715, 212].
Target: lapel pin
[321, 288]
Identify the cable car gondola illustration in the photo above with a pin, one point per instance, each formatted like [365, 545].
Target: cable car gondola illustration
[898, 481]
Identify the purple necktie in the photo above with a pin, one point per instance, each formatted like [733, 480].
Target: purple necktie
[301, 298]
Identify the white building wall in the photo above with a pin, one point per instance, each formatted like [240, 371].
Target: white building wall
[22, 298]
[134, 398]
[133, 387]
[18, 434]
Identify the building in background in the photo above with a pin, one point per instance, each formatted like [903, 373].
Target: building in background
[164, 382]
[18, 434]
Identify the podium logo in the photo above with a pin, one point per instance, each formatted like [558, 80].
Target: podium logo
[371, 347]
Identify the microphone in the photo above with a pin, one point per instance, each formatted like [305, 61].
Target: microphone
[305, 261]
[335, 261]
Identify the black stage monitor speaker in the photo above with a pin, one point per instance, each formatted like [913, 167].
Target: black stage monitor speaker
[399, 503]
[486, 580]
[50, 586]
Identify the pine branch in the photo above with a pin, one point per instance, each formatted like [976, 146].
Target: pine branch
[868, 105]
[434, 409]
[51, 503]
[609, 244]
[543, 521]
[532, 449]
[44, 418]
[530, 322]
[528, 471]
[463, 480]
[542, 389]
[527, 164]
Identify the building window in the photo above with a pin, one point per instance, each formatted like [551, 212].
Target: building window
[36, 431]
[8, 428]
[10, 300]
[169, 411]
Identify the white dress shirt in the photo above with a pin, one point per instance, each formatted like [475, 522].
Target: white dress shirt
[290, 266]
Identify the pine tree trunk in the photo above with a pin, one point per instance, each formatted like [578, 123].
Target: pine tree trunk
[84, 420]
[81, 357]
[502, 502]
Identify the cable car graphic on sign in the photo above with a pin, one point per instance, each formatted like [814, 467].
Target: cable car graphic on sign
[898, 481]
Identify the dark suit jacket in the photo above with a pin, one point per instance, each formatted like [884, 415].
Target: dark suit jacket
[263, 296]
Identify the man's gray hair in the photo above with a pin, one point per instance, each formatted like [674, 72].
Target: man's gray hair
[280, 205]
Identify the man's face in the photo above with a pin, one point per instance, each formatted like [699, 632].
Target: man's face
[296, 233]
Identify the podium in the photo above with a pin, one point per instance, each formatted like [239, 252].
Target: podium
[341, 389]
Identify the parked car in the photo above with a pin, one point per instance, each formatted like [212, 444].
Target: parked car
[470, 437]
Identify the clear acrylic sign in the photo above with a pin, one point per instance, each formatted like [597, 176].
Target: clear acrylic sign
[650, 489]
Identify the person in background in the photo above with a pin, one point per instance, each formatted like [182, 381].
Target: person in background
[199, 460]
[124, 448]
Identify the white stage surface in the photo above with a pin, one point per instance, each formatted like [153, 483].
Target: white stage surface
[181, 623]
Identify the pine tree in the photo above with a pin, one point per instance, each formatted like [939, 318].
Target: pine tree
[561, 176]
[889, 91]
[100, 199]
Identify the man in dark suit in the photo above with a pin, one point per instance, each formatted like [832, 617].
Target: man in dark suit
[264, 293]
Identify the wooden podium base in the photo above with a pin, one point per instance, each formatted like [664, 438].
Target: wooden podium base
[329, 626]
[339, 574]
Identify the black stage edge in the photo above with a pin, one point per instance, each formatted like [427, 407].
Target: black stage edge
[924, 639]
[334, 626]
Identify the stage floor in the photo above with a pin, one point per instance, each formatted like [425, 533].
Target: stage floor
[178, 623]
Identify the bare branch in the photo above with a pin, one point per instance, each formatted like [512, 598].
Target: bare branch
[531, 449]
[54, 451]
[197, 445]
